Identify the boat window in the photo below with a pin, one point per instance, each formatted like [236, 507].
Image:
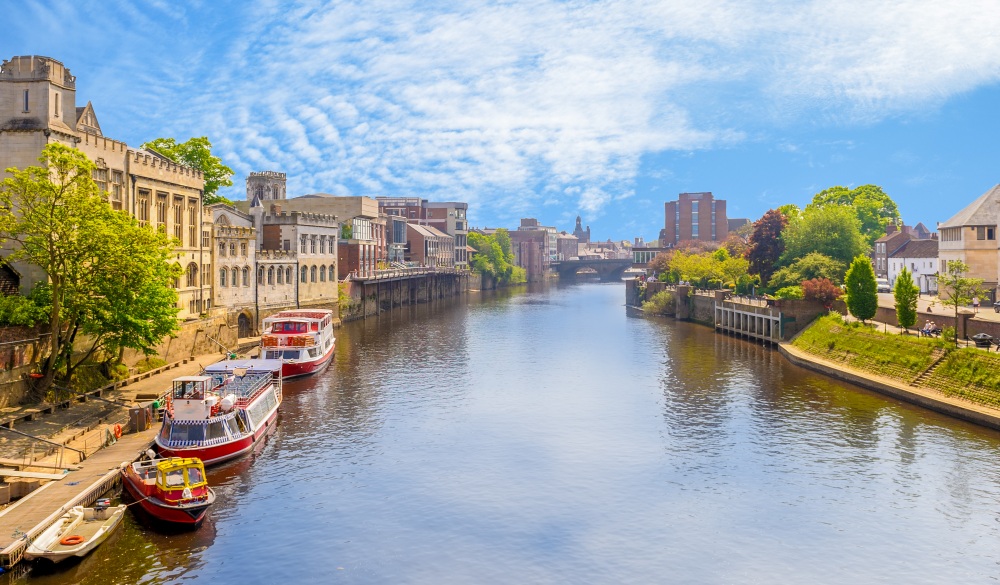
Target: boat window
[187, 433]
[291, 354]
[313, 352]
[195, 475]
[232, 426]
[315, 326]
[274, 354]
[165, 431]
[175, 477]
[216, 430]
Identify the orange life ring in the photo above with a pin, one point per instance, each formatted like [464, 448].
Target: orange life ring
[71, 540]
[118, 431]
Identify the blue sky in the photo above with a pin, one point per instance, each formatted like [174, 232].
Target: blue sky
[552, 109]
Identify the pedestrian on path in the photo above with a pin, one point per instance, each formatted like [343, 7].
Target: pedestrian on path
[975, 304]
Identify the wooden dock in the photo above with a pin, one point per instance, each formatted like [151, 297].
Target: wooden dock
[29, 516]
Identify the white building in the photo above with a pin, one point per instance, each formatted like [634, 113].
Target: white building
[920, 257]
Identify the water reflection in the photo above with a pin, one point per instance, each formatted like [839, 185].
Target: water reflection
[550, 436]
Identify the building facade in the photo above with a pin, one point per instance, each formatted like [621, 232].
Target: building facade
[971, 236]
[38, 107]
[694, 216]
[234, 254]
[920, 257]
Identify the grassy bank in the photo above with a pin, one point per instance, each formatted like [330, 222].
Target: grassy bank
[970, 373]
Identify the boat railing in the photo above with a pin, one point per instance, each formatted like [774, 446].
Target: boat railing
[247, 388]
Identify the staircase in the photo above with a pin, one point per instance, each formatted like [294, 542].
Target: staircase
[919, 380]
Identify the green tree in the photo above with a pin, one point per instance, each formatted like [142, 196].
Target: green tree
[106, 279]
[957, 287]
[905, 294]
[812, 265]
[765, 244]
[861, 289]
[872, 206]
[494, 257]
[197, 154]
[833, 230]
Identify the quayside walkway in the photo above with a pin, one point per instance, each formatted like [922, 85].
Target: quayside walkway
[82, 471]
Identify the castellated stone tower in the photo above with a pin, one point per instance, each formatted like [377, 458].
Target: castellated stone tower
[265, 186]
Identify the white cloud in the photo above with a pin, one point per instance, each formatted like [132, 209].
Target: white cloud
[514, 105]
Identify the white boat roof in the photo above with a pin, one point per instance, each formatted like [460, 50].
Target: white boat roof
[250, 365]
[192, 378]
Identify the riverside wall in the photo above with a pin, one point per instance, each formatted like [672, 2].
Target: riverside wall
[368, 298]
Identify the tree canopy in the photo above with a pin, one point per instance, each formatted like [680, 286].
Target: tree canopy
[905, 294]
[494, 257]
[833, 230]
[197, 154]
[861, 288]
[955, 288]
[812, 265]
[872, 206]
[108, 277]
[765, 245]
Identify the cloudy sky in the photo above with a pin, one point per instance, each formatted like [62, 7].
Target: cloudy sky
[552, 109]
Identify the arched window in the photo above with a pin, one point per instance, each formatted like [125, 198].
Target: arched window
[260, 275]
[322, 273]
[304, 277]
[270, 275]
[232, 248]
[222, 248]
[312, 274]
[281, 275]
[243, 249]
[288, 275]
[322, 244]
[333, 273]
[312, 245]
[223, 273]
[246, 276]
[192, 274]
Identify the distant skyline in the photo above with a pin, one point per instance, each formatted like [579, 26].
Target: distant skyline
[552, 109]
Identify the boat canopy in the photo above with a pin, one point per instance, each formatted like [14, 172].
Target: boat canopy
[180, 472]
[247, 365]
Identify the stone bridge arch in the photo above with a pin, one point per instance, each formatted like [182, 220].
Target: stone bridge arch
[610, 270]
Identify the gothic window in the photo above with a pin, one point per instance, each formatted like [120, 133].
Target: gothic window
[232, 248]
[222, 277]
[312, 274]
[288, 275]
[281, 275]
[322, 273]
[302, 245]
[222, 248]
[26, 110]
[246, 276]
[243, 249]
[259, 192]
[260, 275]
[333, 272]
[192, 274]
[304, 277]
[270, 275]
[192, 225]
[312, 245]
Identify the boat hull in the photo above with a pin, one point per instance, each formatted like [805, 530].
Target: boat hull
[187, 515]
[306, 368]
[215, 454]
[47, 545]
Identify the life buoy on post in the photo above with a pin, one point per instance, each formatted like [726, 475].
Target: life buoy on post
[71, 540]
[118, 431]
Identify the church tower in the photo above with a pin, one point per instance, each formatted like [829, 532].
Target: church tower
[582, 235]
[265, 186]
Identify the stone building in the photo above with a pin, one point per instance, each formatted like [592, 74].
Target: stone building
[429, 246]
[266, 186]
[566, 246]
[309, 241]
[694, 216]
[38, 107]
[582, 235]
[235, 258]
[449, 217]
[971, 236]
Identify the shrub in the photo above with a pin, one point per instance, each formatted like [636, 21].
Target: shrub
[822, 291]
[662, 303]
[789, 292]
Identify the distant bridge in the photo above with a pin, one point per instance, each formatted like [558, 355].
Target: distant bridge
[608, 270]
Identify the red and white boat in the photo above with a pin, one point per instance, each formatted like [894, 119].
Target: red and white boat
[221, 414]
[302, 339]
[171, 490]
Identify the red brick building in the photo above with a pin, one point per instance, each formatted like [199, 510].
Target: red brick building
[694, 216]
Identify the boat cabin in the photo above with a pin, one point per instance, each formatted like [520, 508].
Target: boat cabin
[192, 397]
[180, 473]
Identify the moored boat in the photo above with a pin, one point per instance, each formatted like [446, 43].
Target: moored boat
[221, 414]
[173, 490]
[76, 533]
[302, 339]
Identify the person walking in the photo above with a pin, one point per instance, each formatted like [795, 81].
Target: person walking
[975, 304]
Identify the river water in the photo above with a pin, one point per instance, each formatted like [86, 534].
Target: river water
[554, 436]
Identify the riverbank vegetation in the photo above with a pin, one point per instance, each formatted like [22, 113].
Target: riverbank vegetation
[495, 258]
[969, 373]
[662, 303]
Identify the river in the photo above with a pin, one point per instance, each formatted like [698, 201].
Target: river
[554, 436]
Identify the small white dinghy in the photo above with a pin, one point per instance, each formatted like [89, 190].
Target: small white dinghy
[77, 533]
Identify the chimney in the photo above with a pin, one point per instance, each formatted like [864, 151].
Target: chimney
[890, 229]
